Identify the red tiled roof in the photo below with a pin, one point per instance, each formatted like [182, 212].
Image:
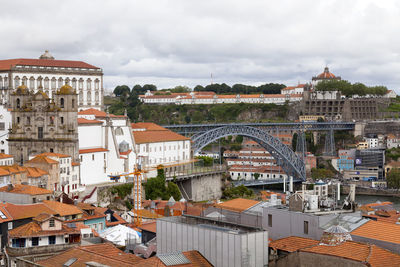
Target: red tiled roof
[292, 243]
[10, 63]
[56, 155]
[25, 189]
[98, 113]
[35, 172]
[61, 208]
[18, 212]
[86, 121]
[149, 226]
[142, 137]
[105, 253]
[33, 229]
[148, 126]
[42, 159]
[237, 204]
[377, 230]
[5, 156]
[92, 150]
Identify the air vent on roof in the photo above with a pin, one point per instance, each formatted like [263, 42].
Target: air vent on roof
[69, 262]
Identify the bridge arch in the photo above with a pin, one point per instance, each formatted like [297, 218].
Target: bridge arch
[290, 162]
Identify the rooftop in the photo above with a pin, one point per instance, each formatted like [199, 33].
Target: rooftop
[155, 136]
[34, 229]
[5, 156]
[237, 204]
[25, 189]
[292, 243]
[61, 208]
[42, 159]
[99, 114]
[105, 253]
[8, 64]
[86, 121]
[92, 150]
[191, 258]
[378, 230]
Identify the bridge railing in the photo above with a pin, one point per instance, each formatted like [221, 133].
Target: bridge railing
[193, 171]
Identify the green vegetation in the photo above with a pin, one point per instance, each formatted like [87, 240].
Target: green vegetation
[128, 205]
[394, 106]
[238, 191]
[348, 89]
[321, 173]
[206, 161]
[392, 154]
[122, 190]
[155, 188]
[393, 178]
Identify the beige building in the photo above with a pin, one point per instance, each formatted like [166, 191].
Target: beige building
[41, 124]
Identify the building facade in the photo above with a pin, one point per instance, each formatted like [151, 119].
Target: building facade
[51, 75]
[41, 124]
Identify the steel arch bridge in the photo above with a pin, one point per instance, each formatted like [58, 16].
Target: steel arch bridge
[290, 162]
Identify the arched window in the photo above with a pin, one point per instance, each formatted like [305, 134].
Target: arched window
[24, 80]
[89, 96]
[17, 81]
[119, 131]
[53, 83]
[1, 82]
[89, 84]
[46, 83]
[96, 84]
[32, 83]
[67, 81]
[96, 96]
[60, 82]
[40, 82]
[74, 83]
[62, 102]
[81, 96]
[18, 103]
[73, 103]
[80, 83]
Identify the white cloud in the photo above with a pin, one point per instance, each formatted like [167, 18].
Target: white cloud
[178, 42]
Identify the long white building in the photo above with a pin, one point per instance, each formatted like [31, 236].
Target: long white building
[51, 74]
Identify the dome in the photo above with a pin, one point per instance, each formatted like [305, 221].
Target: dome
[22, 90]
[326, 74]
[46, 55]
[66, 90]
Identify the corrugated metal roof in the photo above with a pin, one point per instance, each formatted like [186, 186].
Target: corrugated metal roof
[175, 258]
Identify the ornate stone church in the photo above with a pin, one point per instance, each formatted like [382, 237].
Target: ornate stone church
[42, 124]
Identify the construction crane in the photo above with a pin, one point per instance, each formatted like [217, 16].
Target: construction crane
[137, 185]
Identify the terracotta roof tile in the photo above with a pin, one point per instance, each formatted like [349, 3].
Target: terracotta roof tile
[25, 189]
[34, 229]
[148, 126]
[292, 243]
[92, 150]
[18, 212]
[61, 208]
[98, 113]
[142, 137]
[56, 155]
[148, 214]
[377, 230]
[149, 226]
[237, 204]
[5, 156]
[365, 253]
[10, 63]
[86, 121]
[105, 253]
[34, 172]
[42, 159]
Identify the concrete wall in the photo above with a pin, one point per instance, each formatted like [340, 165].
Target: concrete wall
[205, 187]
[221, 248]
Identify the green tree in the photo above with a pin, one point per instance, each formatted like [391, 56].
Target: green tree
[122, 90]
[393, 178]
[207, 161]
[256, 176]
[321, 173]
[239, 139]
[150, 87]
[173, 190]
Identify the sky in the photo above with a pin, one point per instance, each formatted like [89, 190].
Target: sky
[183, 42]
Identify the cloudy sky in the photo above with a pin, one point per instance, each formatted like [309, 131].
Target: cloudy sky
[181, 42]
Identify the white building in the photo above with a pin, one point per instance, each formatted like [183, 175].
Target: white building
[157, 145]
[372, 142]
[212, 98]
[6, 159]
[293, 90]
[5, 124]
[106, 146]
[392, 141]
[51, 74]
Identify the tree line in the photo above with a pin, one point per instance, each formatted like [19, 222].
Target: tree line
[348, 89]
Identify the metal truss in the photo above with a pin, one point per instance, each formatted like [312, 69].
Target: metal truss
[291, 163]
[188, 129]
[330, 143]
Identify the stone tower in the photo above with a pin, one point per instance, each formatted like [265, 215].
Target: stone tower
[41, 124]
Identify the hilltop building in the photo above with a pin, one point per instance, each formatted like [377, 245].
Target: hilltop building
[324, 76]
[41, 124]
[51, 74]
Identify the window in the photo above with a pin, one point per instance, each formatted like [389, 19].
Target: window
[2, 126]
[51, 223]
[89, 84]
[92, 156]
[40, 132]
[10, 225]
[52, 240]
[269, 220]
[51, 150]
[62, 120]
[28, 120]
[18, 103]
[81, 158]
[46, 83]
[306, 227]
[62, 102]
[35, 241]
[34, 200]
[73, 103]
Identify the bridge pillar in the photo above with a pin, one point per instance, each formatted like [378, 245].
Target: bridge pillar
[301, 146]
[330, 143]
